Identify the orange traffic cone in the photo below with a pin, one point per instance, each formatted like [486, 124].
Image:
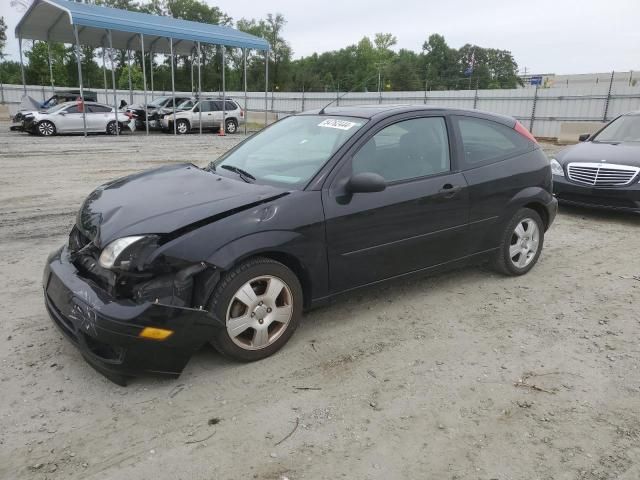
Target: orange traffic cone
[221, 132]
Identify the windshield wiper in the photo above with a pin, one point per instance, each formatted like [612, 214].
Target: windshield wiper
[244, 175]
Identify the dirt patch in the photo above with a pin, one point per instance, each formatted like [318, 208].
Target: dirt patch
[423, 379]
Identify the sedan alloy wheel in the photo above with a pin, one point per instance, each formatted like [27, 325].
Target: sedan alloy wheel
[46, 128]
[259, 312]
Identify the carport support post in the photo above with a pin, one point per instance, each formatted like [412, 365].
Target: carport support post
[223, 125]
[24, 81]
[199, 98]
[104, 74]
[129, 69]
[144, 83]
[50, 67]
[266, 85]
[151, 66]
[173, 89]
[192, 86]
[113, 82]
[84, 108]
[246, 110]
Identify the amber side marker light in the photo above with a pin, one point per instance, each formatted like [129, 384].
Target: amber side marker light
[155, 333]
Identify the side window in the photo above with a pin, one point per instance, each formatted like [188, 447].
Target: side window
[485, 141]
[206, 106]
[73, 109]
[230, 106]
[408, 149]
[98, 109]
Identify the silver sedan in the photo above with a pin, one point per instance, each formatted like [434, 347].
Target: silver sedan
[68, 118]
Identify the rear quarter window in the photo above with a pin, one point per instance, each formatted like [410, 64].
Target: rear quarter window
[485, 141]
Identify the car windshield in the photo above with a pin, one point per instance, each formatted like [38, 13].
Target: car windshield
[57, 107]
[158, 101]
[291, 151]
[186, 105]
[623, 129]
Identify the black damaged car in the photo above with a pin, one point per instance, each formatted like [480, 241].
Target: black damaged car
[318, 204]
[603, 171]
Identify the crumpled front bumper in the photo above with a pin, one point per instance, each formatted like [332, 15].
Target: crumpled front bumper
[106, 330]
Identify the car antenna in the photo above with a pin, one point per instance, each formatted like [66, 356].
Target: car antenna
[346, 93]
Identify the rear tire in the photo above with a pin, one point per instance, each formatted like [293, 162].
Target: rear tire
[111, 128]
[182, 127]
[521, 244]
[231, 126]
[260, 301]
[46, 129]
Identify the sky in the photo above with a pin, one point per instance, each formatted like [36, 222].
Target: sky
[545, 36]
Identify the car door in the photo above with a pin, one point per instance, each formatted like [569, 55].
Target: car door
[97, 118]
[217, 113]
[418, 221]
[207, 107]
[70, 119]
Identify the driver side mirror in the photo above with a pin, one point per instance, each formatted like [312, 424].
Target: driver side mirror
[63, 113]
[366, 182]
[584, 137]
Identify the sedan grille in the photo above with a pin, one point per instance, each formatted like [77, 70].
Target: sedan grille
[602, 174]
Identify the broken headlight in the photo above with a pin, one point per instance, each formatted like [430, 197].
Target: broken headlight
[128, 253]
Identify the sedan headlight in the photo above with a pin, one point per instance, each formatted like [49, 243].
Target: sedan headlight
[556, 168]
[122, 251]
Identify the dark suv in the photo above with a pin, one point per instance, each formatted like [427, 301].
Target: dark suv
[318, 204]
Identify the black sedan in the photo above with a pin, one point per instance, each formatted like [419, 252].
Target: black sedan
[602, 171]
[316, 205]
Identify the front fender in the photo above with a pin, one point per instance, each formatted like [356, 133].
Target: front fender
[305, 256]
[253, 244]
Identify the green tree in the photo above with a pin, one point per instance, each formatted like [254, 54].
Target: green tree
[441, 69]
[136, 78]
[3, 37]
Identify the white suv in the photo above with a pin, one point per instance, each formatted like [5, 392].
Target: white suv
[188, 116]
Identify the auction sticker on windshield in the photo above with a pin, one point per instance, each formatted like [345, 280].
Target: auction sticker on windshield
[339, 124]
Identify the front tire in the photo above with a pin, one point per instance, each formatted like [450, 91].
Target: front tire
[521, 244]
[182, 127]
[260, 301]
[46, 129]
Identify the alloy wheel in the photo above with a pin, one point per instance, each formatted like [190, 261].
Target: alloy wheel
[231, 127]
[111, 128]
[525, 242]
[46, 129]
[182, 127]
[259, 312]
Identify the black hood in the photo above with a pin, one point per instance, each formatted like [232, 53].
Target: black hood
[622, 153]
[164, 200]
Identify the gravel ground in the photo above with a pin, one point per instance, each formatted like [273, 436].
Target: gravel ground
[465, 375]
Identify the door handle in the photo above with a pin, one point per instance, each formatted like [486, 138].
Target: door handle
[448, 190]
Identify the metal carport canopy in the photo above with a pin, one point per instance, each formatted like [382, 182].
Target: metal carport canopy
[50, 20]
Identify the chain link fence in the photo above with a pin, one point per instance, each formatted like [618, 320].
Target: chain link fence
[542, 110]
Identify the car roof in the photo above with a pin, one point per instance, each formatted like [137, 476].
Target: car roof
[381, 111]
